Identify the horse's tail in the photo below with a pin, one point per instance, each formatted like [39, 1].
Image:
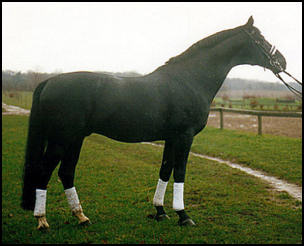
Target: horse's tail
[36, 141]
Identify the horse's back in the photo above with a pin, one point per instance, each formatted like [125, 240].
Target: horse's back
[126, 109]
[69, 84]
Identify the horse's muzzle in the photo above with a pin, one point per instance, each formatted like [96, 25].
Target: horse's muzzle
[278, 62]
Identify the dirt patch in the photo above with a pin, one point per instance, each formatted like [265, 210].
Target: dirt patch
[290, 127]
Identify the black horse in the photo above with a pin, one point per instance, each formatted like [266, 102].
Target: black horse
[172, 104]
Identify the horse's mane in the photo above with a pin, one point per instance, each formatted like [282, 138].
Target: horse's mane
[205, 43]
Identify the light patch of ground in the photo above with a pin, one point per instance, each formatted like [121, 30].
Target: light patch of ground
[289, 127]
[13, 110]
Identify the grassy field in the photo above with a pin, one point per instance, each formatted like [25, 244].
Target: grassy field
[116, 183]
[276, 155]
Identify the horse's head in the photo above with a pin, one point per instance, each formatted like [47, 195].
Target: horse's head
[260, 52]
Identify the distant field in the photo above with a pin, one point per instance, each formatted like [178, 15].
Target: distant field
[21, 99]
[116, 183]
[259, 103]
[257, 93]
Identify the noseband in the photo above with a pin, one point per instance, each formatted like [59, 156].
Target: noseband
[275, 63]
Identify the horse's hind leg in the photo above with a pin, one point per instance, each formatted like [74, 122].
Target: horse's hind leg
[66, 173]
[164, 176]
[50, 160]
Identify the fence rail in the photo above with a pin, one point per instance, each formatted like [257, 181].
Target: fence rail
[259, 114]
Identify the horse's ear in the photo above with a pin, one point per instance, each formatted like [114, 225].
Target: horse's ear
[250, 21]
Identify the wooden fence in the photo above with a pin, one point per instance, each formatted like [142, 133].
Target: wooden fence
[256, 105]
[259, 114]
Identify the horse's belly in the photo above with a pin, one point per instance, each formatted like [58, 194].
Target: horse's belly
[130, 130]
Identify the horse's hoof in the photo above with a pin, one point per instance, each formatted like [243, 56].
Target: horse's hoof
[83, 220]
[43, 228]
[85, 223]
[162, 217]
[42, 224]
[186, 222]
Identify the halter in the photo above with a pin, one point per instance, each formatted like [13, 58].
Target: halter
[275, 63]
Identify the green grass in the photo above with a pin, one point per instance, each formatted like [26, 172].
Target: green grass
[276, 155]
[116, 183]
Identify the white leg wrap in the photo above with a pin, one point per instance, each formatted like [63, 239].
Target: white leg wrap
[40, 203]
[73, 200]
[178, 196]
[159, 195]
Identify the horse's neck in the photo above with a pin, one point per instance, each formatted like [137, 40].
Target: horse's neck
[207, 70]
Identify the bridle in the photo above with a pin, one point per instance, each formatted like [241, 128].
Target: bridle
[270, 55]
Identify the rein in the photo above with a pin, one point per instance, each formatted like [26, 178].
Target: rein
[293, 90]
[275, 63]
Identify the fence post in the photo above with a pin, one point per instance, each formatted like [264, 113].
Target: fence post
[221, 119]
[259, 125]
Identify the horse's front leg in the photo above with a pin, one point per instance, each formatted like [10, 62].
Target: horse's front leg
[181, 152]
[164, 176]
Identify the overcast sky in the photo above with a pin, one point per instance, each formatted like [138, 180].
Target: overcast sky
[120, 37]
